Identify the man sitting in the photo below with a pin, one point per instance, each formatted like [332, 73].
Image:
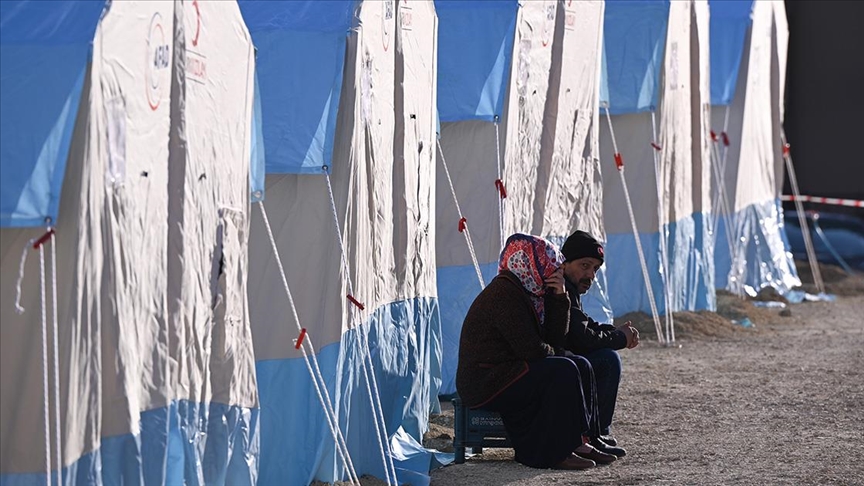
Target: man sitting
[596, 342]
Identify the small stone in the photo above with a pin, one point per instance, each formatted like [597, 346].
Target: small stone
[786, 312]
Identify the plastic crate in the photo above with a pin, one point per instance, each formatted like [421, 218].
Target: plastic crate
[476, 428]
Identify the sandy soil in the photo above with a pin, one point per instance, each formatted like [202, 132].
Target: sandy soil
[776, 403]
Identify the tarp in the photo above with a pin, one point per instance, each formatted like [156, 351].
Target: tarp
[382, 185]
[156, 375]
[634, 32]
[752, 251]
[546, 141]
[730, 20]
[45, 48]
[301, 51]
[472, 85]
[665, 180]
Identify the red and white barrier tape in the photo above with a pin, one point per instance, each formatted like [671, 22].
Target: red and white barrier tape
[852, 203]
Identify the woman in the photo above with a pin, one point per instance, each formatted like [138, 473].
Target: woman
[507, 361]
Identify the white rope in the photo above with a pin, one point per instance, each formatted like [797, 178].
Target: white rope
[371, 382]
[18, 308]
[332, 421]
[720, 203]
[666, 278]
[802, 218]
[45, 410]
[466, 233]
[57, 435]
[657, 327]
[500, 199]
[324, 398]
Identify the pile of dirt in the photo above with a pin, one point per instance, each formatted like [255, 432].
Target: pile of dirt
[836, 280]
[739, 315]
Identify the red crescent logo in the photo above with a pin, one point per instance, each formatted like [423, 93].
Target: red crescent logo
[197, 23]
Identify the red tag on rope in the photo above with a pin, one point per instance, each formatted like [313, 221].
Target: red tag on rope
[462, 224]
[501, 190]
[786, 148]
[656, 147]
[355, 302]
[725, 139]
[713, 136]
[42, 239]
[619, 161]
[300, 338]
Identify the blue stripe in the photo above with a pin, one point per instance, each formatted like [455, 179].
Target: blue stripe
[457, 288]
[297, 446]
[690, 267]
[175, 441]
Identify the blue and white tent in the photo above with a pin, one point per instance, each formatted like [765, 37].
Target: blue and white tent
[517, 88]
[653, 85]
[126, 129]
[749, 42]
[347, 95]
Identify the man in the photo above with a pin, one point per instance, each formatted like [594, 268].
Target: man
[596, 342]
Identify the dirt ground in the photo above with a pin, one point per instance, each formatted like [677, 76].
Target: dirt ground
[776, 403]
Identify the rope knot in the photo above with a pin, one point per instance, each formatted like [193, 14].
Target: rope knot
[356, 302]
[502, 191]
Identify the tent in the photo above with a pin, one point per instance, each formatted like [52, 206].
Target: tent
[517, 101]
[748, 66]
[653, 90]
[343, 303]
[126, 131]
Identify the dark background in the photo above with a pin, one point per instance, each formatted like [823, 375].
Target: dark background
[825, 100]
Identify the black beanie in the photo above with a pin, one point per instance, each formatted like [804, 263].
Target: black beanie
[580, 245]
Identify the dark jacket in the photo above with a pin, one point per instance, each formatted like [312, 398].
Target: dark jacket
[501, 334]
[585, 334]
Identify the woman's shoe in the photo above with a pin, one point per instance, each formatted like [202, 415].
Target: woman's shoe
[575, 463]
[587, 451]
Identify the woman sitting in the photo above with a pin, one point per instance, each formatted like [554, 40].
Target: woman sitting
[508, 362]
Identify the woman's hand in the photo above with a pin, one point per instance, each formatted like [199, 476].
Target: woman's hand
[555, 282]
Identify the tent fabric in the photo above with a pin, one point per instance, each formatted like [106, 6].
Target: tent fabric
[382, 182]
[753, 174]
[730, 20]
[666, 190]
[473, 84]
[157, 379]
[45, 48]
[301, 51]
[556, 48]
[634, 33]
[700, 65]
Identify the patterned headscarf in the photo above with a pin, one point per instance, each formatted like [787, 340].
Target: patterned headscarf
[532, 259]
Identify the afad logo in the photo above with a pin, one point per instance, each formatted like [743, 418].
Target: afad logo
[157, 60]
[196, 62]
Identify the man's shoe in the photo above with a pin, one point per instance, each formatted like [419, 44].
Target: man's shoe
[575, 463]
[587, 451]
[609, 440]
[603, 446]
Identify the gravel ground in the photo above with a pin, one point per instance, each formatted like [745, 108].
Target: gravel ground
[776, 403]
